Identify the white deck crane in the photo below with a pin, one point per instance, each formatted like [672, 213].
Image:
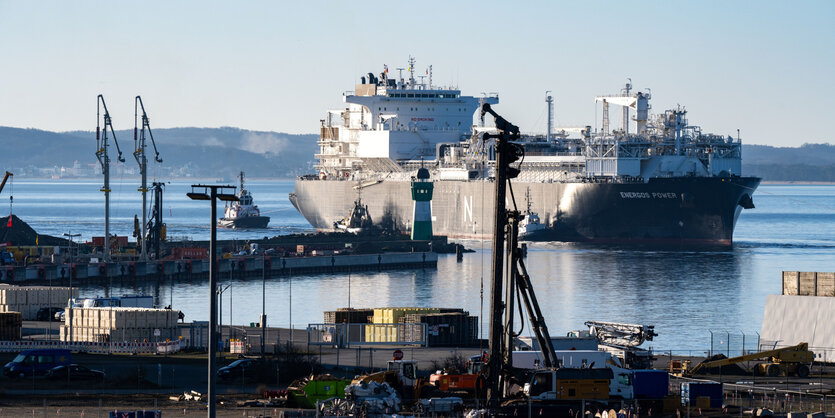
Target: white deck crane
[139, 154]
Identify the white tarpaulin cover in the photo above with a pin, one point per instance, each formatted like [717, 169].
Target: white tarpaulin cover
[790, 320]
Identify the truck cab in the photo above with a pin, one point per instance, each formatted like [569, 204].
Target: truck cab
[405, 369]
[621, 380]
[569, 384]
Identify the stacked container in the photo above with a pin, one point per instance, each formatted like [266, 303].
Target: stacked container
[383, 328]
[120, 325]
[349, 315]
[28, 300]
[453, 329]
[10, 326]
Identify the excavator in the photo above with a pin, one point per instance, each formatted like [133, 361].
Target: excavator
[786, 361]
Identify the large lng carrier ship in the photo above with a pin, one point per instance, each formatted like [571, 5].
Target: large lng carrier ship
[653, 179]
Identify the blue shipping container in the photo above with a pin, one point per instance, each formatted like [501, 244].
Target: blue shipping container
[650, 384]
[693, 390]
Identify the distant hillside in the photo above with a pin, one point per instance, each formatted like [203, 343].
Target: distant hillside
[194, 152]
[809, 162]
[222, 152]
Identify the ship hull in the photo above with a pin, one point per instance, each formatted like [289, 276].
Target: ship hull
[684, 210]
[248, 222]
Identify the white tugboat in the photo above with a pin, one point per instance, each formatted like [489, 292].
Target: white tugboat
[531, 225]
[243, 213]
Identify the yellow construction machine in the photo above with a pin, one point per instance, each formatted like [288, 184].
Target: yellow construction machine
[786, 361]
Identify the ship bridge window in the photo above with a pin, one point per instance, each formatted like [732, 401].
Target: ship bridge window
[410, 95]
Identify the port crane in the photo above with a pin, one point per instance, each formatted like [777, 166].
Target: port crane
[156, 227]
[139, 153]
[511, 278]
[11, 198]
[102, 155]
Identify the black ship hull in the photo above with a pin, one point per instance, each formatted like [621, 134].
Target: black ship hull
[247, 222]
[680, 210]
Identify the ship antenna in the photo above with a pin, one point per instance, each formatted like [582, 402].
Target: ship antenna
[411, 71]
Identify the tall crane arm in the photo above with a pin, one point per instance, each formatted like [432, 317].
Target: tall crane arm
[6, 177]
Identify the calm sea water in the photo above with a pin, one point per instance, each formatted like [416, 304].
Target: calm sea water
[685, 293]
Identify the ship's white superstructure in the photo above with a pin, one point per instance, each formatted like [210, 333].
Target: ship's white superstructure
[390, 120]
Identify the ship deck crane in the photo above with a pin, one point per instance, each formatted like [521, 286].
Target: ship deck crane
[104, 159]
[139, 154]
[511, 278]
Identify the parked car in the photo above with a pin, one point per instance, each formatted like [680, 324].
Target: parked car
[59, 316]
[74, 372]
[236, 369]
[48, 314]
[36, 362]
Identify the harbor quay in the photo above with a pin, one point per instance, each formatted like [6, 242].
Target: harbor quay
[199, 268]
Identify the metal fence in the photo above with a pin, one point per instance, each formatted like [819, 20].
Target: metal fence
[733, 343]
[347, 335]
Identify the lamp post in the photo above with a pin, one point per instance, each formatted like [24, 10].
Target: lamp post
[210, 192]
[69, 247]
[263, 301]
[69, 235]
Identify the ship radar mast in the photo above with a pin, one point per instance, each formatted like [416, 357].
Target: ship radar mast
[626, 90]
[411, 71]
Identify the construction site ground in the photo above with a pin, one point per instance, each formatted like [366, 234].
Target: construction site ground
[148, 381]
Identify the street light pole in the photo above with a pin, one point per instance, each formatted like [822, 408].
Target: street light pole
[212, 196]
[68, 312]
[263, 301]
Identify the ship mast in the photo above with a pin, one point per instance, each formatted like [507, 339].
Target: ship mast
[104, 160]
[550, 100]
[139, 154]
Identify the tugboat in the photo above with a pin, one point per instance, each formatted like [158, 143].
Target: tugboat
[243, 214]
[531, 226]
[356, 221]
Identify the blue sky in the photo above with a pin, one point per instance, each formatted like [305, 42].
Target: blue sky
[761, 67]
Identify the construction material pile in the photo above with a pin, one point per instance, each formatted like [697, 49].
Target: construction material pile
[373, 397]
[20, 233]
[105, 325]
[728, 369]
[28, 300]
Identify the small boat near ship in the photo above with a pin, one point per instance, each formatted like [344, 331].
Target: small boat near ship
[243, 213]
[357, 221]
[530, 227]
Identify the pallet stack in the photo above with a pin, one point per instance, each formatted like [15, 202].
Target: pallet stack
[28, 300]
[105, 325]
